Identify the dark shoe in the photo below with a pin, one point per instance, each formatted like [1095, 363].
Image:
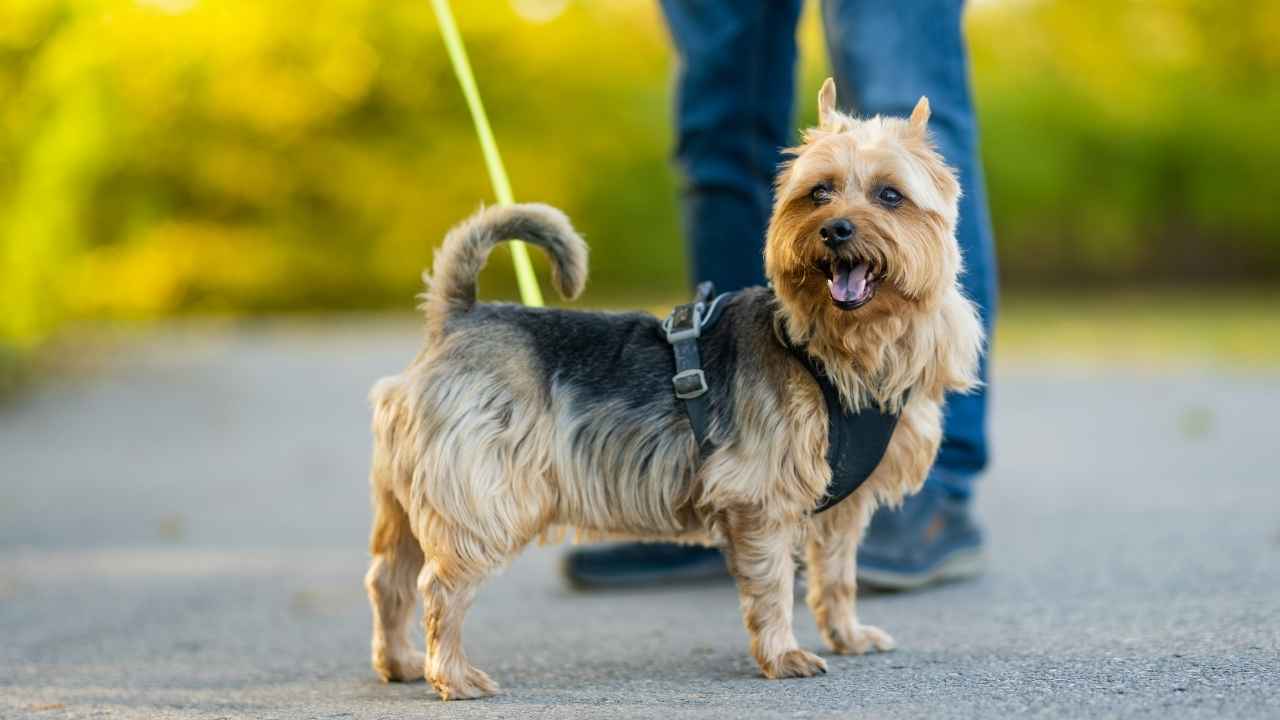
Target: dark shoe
[931, 538]
[641, 564]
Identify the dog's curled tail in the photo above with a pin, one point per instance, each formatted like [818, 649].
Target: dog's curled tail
[451, 284]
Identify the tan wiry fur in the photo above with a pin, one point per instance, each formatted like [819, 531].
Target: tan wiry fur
[474, 456]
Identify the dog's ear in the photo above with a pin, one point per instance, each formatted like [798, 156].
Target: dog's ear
[920, 116]
[827, 105]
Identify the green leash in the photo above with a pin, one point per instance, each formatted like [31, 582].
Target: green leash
[530, 293]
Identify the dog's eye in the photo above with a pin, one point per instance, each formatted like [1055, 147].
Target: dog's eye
[890, 196]
[821, 193]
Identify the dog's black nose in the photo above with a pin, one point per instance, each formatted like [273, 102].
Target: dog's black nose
[836, 232]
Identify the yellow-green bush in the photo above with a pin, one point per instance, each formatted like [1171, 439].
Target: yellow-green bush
[159, 156]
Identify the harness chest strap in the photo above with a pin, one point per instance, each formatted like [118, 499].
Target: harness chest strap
[856, 441]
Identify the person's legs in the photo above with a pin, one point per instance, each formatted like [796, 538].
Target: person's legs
[885, 56]
[733, 114]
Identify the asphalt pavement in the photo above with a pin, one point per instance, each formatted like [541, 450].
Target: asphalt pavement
[182, 535]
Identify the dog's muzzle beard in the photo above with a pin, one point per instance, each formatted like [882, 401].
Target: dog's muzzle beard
[851, 281]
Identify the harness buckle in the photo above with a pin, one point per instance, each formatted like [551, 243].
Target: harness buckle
[684, 323]
[690, 384]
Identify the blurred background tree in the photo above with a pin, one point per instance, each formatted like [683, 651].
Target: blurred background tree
[176, 156]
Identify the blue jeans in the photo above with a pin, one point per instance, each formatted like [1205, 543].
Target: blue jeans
[735, 92]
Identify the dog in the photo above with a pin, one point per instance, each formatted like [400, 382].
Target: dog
[514, 424]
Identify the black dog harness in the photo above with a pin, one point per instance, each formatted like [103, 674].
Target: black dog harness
[856, 440]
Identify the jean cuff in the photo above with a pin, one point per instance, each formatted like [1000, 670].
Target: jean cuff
[954, 485]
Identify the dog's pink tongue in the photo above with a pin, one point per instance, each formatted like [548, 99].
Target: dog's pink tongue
[848, 283]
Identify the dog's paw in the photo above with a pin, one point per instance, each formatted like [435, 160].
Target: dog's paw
[407, 666]
[793, 664]
[858, 640]
[473, 684]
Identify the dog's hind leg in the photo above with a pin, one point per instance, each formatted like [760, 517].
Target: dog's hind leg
[397, 560]
[760, 558]
[480, 495]
[448, 584]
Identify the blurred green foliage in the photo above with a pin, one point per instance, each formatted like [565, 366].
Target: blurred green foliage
[1132, 142]
[161, 156]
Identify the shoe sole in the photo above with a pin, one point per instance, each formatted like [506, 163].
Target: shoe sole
[961, 565]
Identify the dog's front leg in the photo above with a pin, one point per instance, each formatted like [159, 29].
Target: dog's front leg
[760, 558]
[832, 579]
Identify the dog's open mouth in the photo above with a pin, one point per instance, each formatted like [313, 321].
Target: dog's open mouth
[852, 283]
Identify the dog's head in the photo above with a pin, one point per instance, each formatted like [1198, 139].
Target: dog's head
[862, 238]
[864, 216]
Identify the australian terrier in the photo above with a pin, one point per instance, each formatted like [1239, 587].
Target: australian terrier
[514, 423]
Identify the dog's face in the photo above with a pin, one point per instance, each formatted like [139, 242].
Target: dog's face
[864, 218]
